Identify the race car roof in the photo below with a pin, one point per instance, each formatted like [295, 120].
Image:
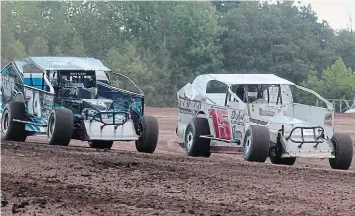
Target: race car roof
[65, 63]
[240, 79]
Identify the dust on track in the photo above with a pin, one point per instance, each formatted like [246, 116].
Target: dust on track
[38, 179]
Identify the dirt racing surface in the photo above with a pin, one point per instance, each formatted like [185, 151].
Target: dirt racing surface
[38, 179]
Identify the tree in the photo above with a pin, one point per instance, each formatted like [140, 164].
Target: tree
[127, 61]
[164, 45]
[337, 82]
[344, 45]
[281, 39]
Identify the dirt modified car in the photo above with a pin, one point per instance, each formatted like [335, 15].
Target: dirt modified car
[255, 114]
[68, 98]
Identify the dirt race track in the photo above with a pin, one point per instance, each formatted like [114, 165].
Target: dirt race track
[37, 179]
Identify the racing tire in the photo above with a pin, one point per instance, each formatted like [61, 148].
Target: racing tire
[343, 149]
[256, 145]
[147, 142]
[60, 126]
[194, 145]
[283, 161]
[10, 129]
[100, 144]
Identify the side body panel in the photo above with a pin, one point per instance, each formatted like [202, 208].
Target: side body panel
[227, 124]
[38, 103]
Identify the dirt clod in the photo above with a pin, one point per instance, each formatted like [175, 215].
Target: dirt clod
[4, 203]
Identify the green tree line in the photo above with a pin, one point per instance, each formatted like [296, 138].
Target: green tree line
[164, 45]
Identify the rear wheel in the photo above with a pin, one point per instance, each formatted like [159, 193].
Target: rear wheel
[149, 128]
[343, 149]
[10, 129]
[60, 126]
[100, 144]
[256, 144]
[194, 145]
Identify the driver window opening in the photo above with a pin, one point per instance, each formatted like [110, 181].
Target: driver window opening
[217, 92]
[256, 94]
[76, 84]
[34, 77]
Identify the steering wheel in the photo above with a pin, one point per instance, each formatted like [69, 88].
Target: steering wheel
[66, 93]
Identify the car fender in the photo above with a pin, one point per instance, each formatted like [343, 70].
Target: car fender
[19, 97]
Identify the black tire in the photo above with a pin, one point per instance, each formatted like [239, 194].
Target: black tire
[148, 140]
[194, 145]
[343, 147]
[60, 126]
[284, 161]
[100, 144]
[256, 144]
[12, 130]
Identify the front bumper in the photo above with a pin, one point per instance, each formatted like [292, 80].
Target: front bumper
[113, 129]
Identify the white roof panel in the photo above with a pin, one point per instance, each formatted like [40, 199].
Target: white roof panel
[68, 63]
[240, 79]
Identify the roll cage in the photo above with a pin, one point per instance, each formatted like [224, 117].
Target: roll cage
[238, 89]
[44, 67]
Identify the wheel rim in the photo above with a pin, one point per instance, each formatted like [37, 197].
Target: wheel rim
[247, 144]
[189, 140]
[5, 121]
[51, 126]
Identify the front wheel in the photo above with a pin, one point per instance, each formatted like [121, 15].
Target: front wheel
[343, 149]
[196, 146]
[60, 126]
[149, 132]
[256, 144]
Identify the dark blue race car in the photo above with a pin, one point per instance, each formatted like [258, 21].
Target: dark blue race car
[68, 98]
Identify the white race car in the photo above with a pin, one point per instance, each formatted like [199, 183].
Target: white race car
[350, 111]
[255, 114]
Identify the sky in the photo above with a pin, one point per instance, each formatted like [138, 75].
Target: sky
[335, 12]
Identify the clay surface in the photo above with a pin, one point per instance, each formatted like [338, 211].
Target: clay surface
[38, 179]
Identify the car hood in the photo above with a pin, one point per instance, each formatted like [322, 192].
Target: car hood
[98, 104]
[282, 119]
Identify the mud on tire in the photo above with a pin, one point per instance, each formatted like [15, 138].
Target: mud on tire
[11, 130]
[343, 148]
[194, 145]
[100, 144]
[256, 144]
[60, 126]
[148, 140]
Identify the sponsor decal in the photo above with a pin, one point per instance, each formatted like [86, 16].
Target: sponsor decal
[237, 134]
[188, 105]
[77, 73]
[238, 117]
[221, 125]
[264, 112]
